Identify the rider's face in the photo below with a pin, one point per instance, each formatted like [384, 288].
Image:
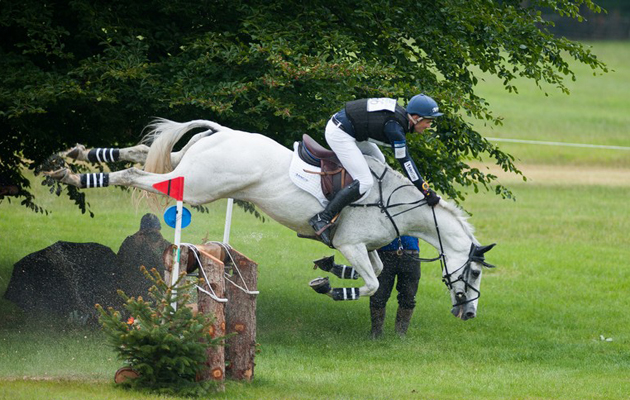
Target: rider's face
[422, 124]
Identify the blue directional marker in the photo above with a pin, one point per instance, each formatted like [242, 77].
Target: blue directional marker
[170, 216]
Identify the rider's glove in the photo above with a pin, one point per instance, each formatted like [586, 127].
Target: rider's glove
[431, 197]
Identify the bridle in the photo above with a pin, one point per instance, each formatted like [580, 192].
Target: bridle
[447, 275]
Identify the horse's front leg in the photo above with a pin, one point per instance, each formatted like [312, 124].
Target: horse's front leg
[377, 264]
[342, 271]
[361, 261]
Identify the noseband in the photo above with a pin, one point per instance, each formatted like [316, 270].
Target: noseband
[473, 255]
[463, 277]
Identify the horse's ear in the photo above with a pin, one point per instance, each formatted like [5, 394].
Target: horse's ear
[485, 249]
[477, 254]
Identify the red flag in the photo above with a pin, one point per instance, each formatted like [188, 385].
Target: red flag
[172, 187]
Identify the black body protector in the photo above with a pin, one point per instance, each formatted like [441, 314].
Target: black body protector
[369, 118]
[370, 124]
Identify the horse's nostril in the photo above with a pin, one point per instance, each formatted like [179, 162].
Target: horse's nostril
[470, 315]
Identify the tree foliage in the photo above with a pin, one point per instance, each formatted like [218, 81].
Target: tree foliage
[96, 72]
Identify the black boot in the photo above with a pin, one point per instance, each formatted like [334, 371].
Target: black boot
[322, 222]
[403, 318]
[377, 316]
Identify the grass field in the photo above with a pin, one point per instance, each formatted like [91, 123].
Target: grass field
[596, 112]
[562, 282]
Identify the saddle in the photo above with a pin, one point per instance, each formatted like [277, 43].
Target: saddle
[334, 176]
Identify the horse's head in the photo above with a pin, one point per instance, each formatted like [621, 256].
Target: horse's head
[464, 282]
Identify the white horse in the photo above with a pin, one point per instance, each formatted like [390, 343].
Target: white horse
[226, 163]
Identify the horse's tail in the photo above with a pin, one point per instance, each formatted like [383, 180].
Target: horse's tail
[162, 136]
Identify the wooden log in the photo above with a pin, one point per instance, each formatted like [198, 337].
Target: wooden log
[215, 355]
[186, 258]
[241, 318]
[183, 258]
[214, 249]
[125, 373]
[189, 262]
[167, 257]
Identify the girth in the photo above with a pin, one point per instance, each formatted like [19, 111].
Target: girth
[334, 175]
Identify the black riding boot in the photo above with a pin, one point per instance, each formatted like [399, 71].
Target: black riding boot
[403, 318]
[377, 315]
[322, 222]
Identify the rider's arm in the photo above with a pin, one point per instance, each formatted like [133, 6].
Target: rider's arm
[396, 136]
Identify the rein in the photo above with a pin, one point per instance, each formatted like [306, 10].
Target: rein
[446, 278]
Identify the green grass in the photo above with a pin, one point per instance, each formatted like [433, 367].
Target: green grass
[561, 282]
[596, 112]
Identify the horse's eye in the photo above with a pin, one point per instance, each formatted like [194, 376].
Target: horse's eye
[475, 274]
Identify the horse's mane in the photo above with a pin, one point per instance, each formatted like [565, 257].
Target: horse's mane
[460, 215]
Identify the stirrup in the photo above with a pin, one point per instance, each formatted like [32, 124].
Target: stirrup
[324, 235]
[322, 231]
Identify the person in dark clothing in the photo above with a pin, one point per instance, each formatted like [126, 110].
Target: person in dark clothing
[356, 131]
[403, 267]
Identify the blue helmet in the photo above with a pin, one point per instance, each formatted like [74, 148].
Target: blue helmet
[424, 106]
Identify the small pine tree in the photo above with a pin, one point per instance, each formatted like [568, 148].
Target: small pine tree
[166, 346]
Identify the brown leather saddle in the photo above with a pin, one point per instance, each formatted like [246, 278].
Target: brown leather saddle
[334, 175]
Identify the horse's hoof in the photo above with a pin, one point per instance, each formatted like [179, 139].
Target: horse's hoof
[58, 174]
[77, 152]
[63, 175]
[321, 285]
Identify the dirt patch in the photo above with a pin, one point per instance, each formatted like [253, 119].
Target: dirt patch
[563, 174]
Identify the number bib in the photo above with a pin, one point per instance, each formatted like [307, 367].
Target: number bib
[381, 104]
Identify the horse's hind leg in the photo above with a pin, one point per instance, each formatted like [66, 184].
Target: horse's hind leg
[131, 177]
[135, 154]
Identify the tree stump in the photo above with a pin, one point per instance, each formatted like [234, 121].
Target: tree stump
[238, 316]
[213, 268]
[241, 318]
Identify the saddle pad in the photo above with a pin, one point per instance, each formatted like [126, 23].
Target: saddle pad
[310, 183]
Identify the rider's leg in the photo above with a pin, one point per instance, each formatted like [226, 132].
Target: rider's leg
[345, 146]
[323, 221]
[351, 156]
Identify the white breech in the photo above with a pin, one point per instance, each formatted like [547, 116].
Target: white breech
[350, 153]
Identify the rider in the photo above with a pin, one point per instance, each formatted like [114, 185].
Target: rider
[356, 130]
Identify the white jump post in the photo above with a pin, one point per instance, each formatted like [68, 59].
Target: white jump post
[228, 221]
[175, 189]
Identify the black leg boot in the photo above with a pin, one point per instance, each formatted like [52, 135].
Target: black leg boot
[322, 222]
[403, 318]
[378, 319]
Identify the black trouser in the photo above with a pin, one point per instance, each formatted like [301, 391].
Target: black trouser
[406, 268]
